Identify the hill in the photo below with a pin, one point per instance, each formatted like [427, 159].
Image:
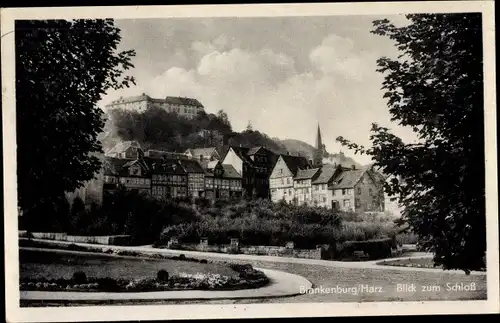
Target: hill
[157, 129]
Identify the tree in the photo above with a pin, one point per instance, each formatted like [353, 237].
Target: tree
[62, 70]
[436, 87]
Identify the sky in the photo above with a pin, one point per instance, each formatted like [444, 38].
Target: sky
[284, 75]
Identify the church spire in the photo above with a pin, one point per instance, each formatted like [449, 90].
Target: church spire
[319, 151]
[319, 142]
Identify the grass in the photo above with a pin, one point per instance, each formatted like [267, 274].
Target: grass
[56, 264]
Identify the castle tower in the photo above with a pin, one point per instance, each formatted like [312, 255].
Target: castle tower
[320, 150]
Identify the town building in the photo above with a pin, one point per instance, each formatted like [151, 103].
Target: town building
[195, 177]
[255, 166]
[203, 154]
[185, 107]
[169, 179]
[325, 178]
[222, 181]
[302, 184]
[130, 174]
[124, 150]
[357, 190]
[282, 175]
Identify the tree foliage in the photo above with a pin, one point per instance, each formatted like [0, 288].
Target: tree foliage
[436, 87]
[62, 70]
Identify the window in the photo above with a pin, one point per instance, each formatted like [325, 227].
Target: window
[288, 180]
[289, 192]
[281, 171]
[370, 191]
[344, 191]
[347, 203]
[282, 181]
[316, 187]
[284, 192]
[324, 199]
[359, 190]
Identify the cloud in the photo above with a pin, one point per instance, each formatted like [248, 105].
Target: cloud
[263, 86]
[337, 55]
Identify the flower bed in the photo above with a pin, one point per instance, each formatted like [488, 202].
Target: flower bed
[244, 277]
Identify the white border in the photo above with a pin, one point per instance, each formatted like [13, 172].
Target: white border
[113, 313]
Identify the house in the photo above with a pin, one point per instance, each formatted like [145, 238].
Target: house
[222, 181]
[254, 165]
[125, 150]
[169, 179]
[302, 184]
[324, 179]
[281, 178]
[195, 177]
[357, 190]
[203, 154]
[131, 174]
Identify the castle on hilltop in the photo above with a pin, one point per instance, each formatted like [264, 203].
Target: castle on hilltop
[186, 107]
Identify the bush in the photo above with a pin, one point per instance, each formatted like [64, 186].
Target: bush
[162, 276]
[374, 249]
[79, 277]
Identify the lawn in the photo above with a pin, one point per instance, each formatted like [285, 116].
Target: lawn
[59, 264]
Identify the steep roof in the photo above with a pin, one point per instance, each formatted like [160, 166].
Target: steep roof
[196, 152]
[294, 163]
[182, 101]
[348, 178]
[123, 146]
[165, 165]
[192, 166]
[325, 174]
[253, 150]
[229, 172]
[113, 166]
[307, 174]
[242, 152]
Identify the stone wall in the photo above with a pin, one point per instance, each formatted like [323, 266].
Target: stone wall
[118, 240]
[234, 247]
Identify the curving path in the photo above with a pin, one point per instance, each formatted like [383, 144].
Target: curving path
[337, 281]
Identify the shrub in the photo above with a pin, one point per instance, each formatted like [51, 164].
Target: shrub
[162, 276]
[374, 249]
[79, 277]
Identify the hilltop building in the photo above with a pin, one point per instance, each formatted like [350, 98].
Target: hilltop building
[186, 107]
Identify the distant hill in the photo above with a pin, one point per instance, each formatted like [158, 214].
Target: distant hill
[296, 147]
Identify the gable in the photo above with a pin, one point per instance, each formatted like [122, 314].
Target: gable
[281, 169]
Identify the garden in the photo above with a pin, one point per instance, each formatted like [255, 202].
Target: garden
[253, 222]
[106, 270]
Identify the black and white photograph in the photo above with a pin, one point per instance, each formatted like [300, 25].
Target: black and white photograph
[305, 160]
